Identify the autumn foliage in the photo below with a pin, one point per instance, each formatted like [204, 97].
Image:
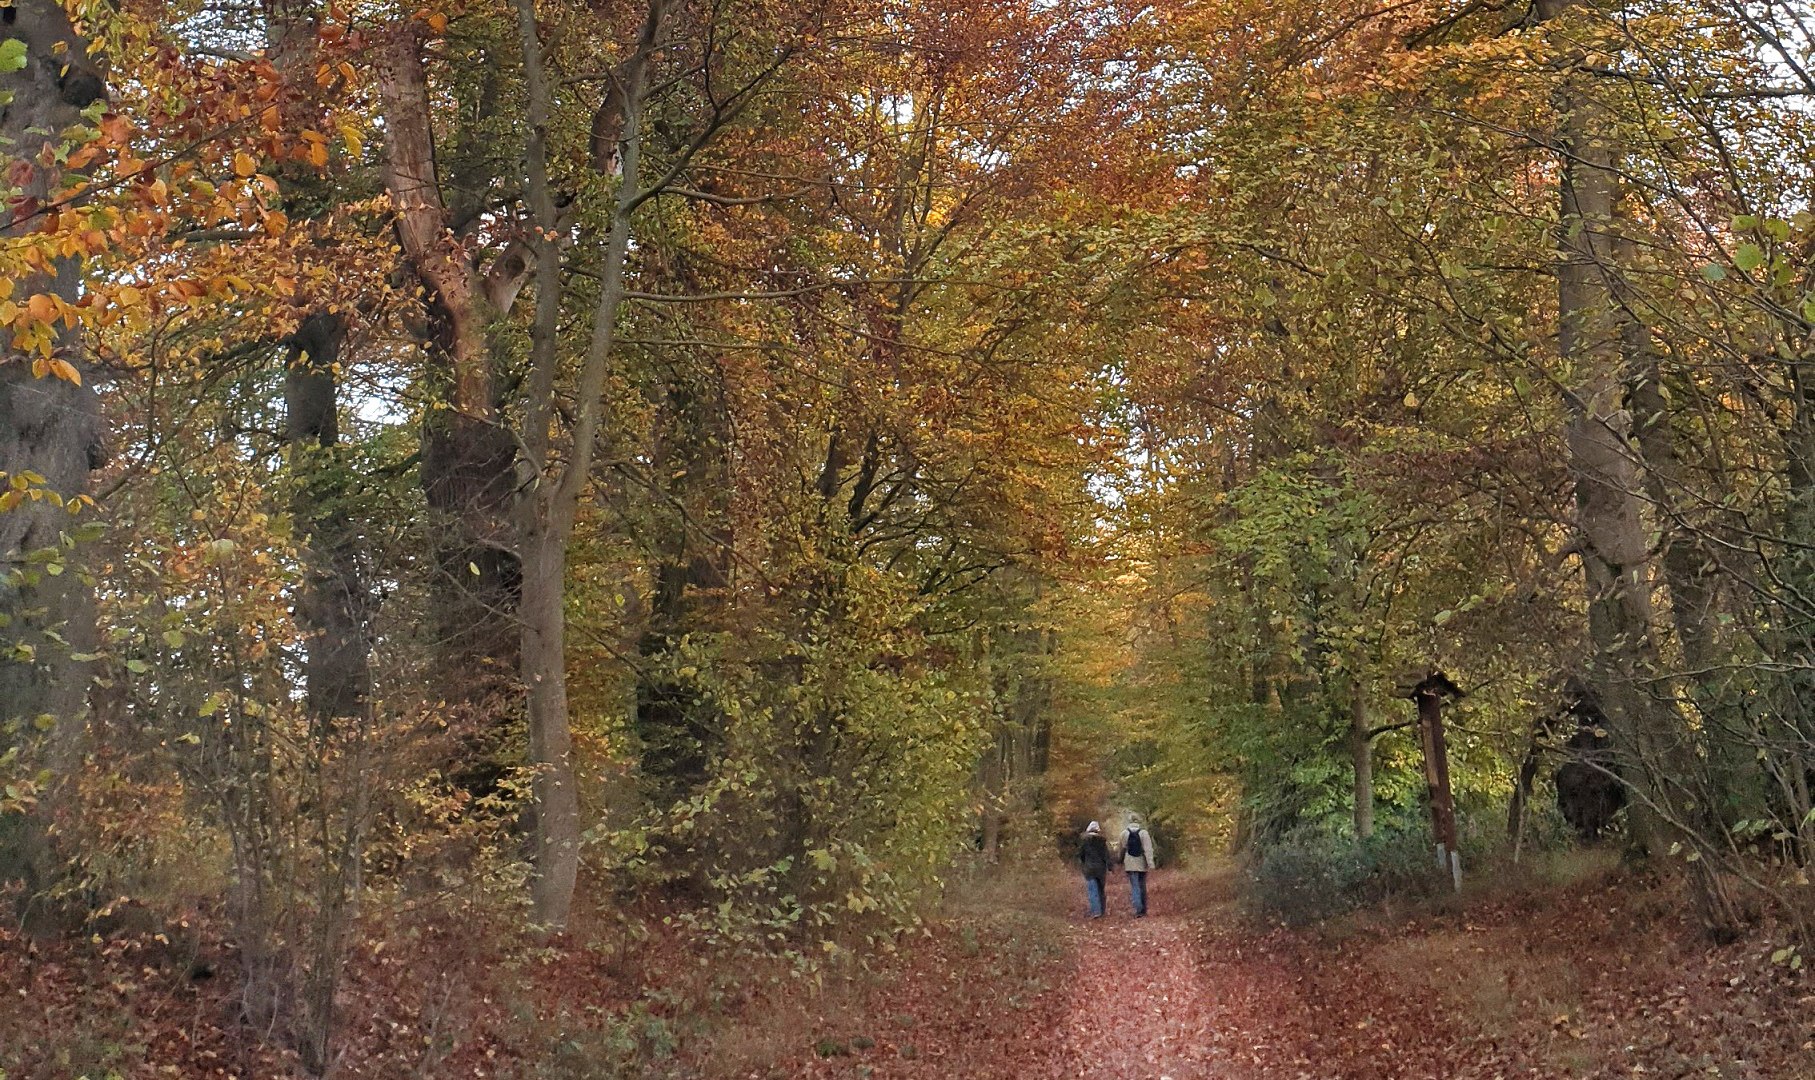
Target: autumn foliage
[589, 492]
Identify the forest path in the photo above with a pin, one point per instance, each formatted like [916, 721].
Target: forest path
[1146, 1002]
[1579, 980]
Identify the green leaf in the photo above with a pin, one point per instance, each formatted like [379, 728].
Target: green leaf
[137, 667]
[1714, 272]
[12, 55]
[1749, 257]
[173, 638]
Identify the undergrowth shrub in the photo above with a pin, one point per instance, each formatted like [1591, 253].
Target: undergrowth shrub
[1315, 873]
[1310, 875]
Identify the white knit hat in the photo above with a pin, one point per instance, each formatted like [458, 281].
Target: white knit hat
[1093, 829]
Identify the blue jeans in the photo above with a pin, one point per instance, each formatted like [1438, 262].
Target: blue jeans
[1095, 886]
[1137, 890]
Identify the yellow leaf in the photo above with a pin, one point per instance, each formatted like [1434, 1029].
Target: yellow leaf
[66, 371]
[318, 154]
[42, 306]
[244, 164]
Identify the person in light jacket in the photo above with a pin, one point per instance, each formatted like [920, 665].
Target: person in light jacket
[1093, 857]
[1138, 858]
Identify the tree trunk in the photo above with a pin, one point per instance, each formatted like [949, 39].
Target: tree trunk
[1522, 786]
[1361, 752]
[467, 454]
[50, 428]
[1787, 738]
[333, 605]
[677, 727]
[548, 492]
[1609, 521]
[1732, 787]
[544, 670]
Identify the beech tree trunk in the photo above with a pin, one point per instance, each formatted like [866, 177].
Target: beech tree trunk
[333, 601]
[333, 604]
[50, 442]
[557, 798]
[1611, 530]
[549, 486]
[467, 454]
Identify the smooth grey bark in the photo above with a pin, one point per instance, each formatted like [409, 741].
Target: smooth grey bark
[549, 484]
[1610, 525]
[50, 443]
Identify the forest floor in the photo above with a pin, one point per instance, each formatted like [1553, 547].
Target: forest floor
[1600, 977]
[1579, 972]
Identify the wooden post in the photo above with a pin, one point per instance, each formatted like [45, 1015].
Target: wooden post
[1427, 693]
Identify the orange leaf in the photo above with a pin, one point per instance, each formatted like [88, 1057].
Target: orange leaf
[244, 164]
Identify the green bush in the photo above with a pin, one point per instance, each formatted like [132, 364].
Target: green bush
[1310, 874]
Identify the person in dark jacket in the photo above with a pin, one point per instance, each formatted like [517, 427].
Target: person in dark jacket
[1093, 856]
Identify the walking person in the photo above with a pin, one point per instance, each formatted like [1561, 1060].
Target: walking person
[1137, 859]
[1093, 856]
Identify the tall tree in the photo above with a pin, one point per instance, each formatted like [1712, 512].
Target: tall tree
[51, 436]
[1592, 339]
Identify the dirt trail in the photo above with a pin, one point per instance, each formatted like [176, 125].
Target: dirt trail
[1137, 1006]
[1579, 982]
[1147, 1004]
